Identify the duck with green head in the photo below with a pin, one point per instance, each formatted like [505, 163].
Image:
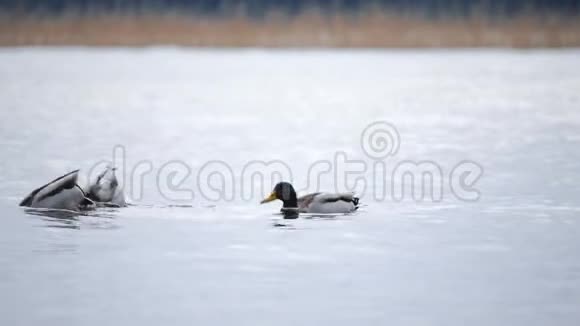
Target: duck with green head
[317, 203]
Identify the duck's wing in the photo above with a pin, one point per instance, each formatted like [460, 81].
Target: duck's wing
[333, 197]
[62, 192]
[305, 201]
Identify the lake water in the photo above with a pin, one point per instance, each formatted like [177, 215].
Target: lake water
[176, 256]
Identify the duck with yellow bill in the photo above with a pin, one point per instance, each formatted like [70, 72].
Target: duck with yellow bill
[317, 203]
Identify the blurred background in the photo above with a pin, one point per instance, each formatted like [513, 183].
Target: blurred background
[292, 23]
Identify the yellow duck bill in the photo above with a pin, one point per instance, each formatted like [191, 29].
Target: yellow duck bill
[270, 198]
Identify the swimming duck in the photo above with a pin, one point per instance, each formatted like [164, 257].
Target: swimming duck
[319, 202]
[106, 190]
[61, 193]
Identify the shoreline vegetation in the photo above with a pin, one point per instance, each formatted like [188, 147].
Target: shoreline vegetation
[369, 30]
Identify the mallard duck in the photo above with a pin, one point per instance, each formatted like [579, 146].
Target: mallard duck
[61, 193]
[319, 202]
[106, 189]
[64, 193]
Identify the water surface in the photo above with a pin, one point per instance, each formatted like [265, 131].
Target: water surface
[510, 258]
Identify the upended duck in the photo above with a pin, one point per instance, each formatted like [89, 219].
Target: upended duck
[317, 203]
[64, 193]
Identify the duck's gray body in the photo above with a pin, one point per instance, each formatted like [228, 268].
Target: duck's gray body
[61, 193]
[328, 203]
[106, 189]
